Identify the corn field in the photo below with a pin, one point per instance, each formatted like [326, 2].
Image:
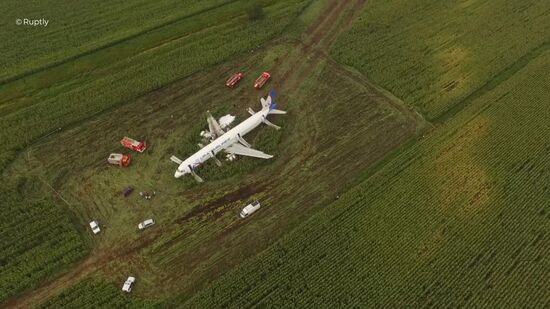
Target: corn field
[435, 54]
[459, 220]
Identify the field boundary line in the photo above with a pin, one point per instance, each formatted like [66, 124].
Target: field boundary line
[494, 82]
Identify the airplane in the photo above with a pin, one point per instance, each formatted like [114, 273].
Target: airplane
[232, 141]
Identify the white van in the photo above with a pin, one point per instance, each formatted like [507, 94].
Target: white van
[127, 287]
[250, 209]
[145, 224]
[95, 227]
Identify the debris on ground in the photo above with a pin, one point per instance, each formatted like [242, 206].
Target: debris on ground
[226, 121]
[126, 191]
[147, 195]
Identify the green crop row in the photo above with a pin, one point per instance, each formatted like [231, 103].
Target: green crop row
[78, 28]
[434, 54]
[38, 238]
[97, 294]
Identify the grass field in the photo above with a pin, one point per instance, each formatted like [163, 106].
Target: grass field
[434, 54]
[460, 219]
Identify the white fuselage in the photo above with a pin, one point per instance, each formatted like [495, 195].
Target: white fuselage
[228, 138]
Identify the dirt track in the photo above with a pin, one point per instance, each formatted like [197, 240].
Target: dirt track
[334, 18]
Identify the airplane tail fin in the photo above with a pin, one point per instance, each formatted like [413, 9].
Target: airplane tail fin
[269, 103]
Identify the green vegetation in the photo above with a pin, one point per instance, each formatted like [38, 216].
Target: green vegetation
[38, 238]
[181, 253]
[358, 209]
[433, 54]
[76, 90]
[459, 219]
[255, 11]
[82, 85]
[79, 28]
[98, 294]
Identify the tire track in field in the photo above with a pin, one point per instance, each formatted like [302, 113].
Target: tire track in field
[335, 18]
[330, 12]
[309, 51]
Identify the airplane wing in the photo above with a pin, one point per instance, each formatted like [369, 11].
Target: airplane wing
[213, 126]
[241, 150]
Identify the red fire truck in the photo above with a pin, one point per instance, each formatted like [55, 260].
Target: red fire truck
[133, 144]
[234, 79]
[260, 81]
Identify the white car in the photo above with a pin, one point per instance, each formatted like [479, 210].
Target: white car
[127, 287]
[249, 209]
[145, 224]
[95, 227]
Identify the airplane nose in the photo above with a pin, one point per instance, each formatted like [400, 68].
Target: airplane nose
[177, 174]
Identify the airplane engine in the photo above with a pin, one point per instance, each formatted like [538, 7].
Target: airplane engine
[230, 157]
[206, 134]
